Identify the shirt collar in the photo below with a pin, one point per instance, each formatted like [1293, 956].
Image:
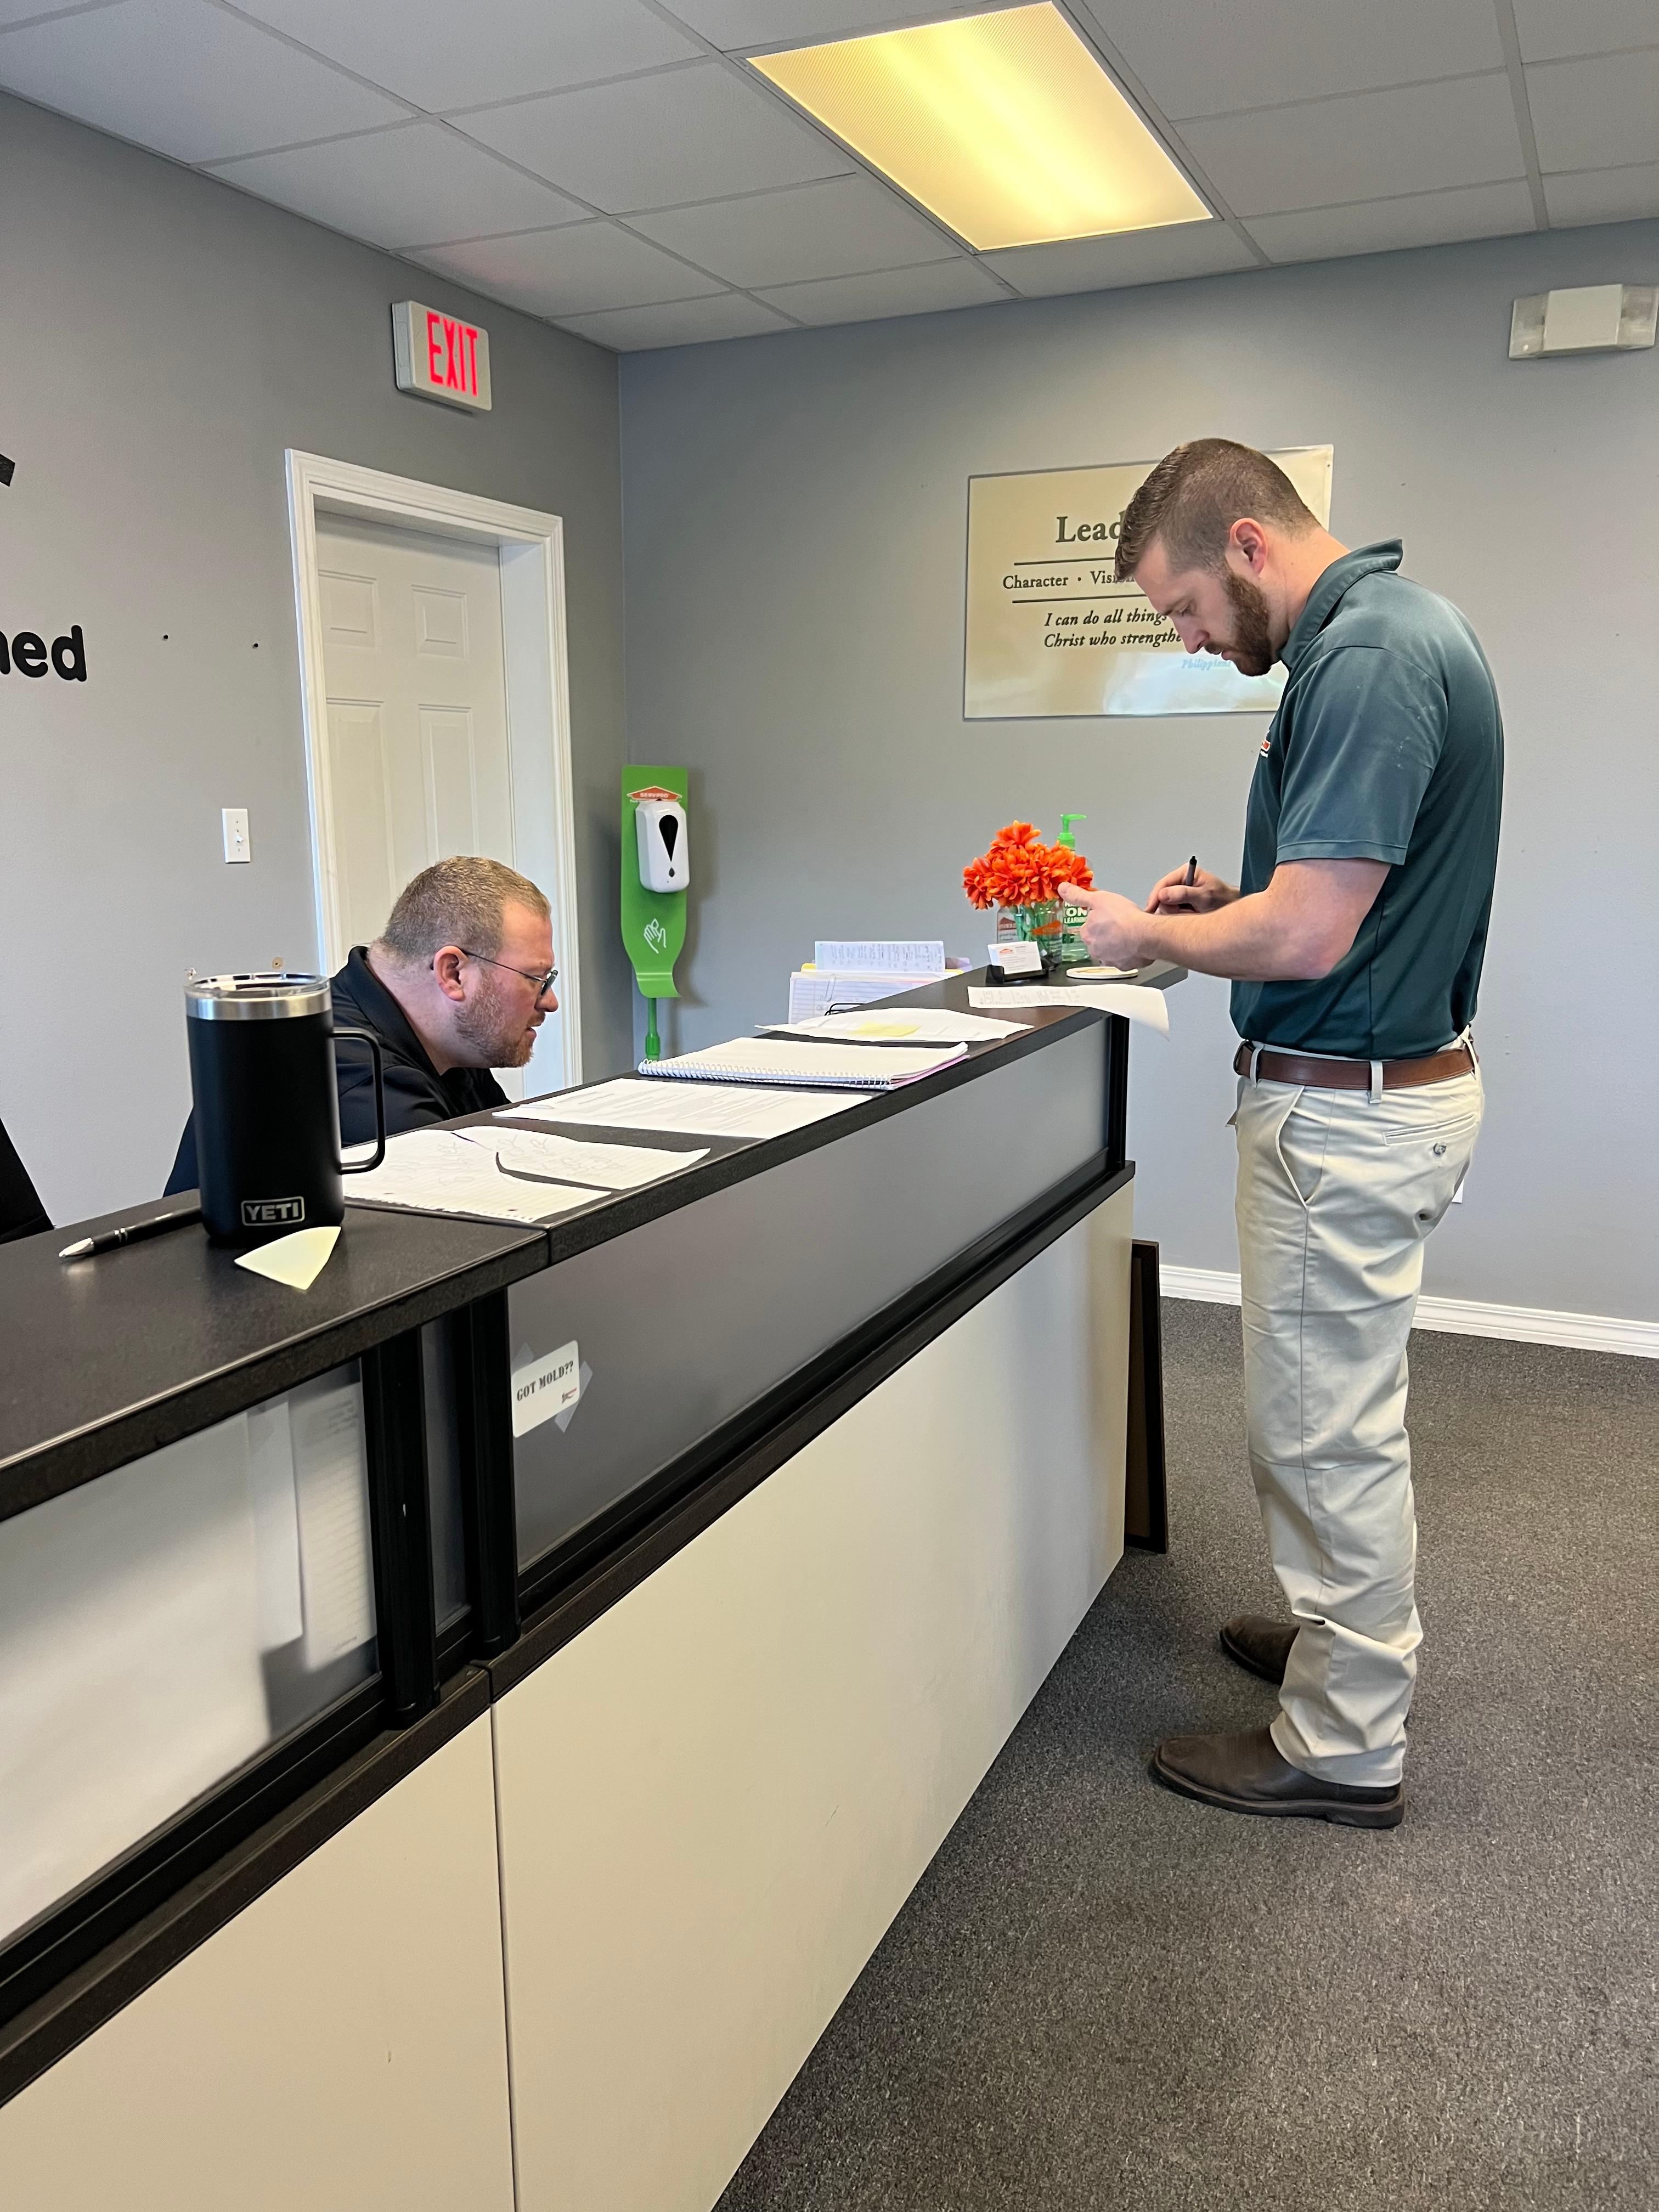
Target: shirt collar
[359, 985]
[1326, 594]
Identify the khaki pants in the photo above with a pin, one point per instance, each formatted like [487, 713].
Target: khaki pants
[1337, 1192]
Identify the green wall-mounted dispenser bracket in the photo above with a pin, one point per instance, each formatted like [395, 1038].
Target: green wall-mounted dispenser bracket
[653, 922]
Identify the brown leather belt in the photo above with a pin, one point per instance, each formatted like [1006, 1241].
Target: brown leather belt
[1353, 1074]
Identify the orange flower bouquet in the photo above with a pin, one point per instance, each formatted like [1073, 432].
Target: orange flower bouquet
[1021, 872]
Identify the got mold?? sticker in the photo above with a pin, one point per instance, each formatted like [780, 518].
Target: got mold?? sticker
[544, 1385]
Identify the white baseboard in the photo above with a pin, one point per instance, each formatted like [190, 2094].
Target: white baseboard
[1462, 1316]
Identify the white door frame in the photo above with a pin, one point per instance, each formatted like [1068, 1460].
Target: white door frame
[531, 550]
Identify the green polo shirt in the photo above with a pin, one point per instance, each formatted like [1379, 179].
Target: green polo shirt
[1388, 745]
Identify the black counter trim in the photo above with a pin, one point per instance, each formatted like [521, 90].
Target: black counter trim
[94, 1992]
[706, 1482]
[82, 1456]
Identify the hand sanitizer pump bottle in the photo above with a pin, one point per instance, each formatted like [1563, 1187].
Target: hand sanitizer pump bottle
[1074, 952]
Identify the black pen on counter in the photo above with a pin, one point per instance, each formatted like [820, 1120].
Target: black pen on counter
[111, 1240]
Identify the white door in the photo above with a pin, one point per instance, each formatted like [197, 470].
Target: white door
[419, 765]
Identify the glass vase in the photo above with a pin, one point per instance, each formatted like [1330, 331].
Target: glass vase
[1043, 924]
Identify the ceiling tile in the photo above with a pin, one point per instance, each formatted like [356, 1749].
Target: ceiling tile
[1550, 28]
[1604, 196]
[1367, 146]
[186, 78]
[416, 186]
[685, 322]
[1596, 114]
[1213, 57]
[688, 134]
[867, 298]
[442, 56]
[831, 230]
[23, 11]
[1380, 225]
[575, 271]
[734, 24]
[1131, 257]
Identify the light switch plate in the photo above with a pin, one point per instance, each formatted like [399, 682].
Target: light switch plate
[236, 841]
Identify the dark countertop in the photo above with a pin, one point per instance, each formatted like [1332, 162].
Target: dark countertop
[105, 1360]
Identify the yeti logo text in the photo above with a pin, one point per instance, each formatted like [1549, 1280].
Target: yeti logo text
[271, 1212]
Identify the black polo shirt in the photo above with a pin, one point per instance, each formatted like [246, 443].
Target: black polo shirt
[1388, 745]
[416, 1094]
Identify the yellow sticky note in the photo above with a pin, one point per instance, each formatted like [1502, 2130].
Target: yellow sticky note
[883, 1025]
[296, 1260]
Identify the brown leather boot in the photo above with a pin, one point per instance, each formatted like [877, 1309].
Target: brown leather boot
[1261, 1645]
[1245, 1774]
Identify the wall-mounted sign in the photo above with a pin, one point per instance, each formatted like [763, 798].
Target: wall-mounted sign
[441, 357]
[29, 653]
[1049, 633]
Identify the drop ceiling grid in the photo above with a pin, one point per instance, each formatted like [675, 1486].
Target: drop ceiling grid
[614, 165]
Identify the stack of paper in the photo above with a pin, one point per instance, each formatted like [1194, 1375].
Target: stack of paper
[793, 1060]
[901, 1025]
[852, 971]
[438, 1171]
[687, 1109]
[539, 1153]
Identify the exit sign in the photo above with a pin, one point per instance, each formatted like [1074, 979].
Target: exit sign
[440, 357]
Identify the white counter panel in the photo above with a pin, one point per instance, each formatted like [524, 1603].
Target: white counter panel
[339, 2044]
[713, 1800]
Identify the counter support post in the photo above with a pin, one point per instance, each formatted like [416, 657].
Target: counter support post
[484, 1385]
[1117, 1092]
[394, 1407]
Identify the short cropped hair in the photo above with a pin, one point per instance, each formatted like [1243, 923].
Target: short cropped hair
[1195, 495]
[456, 902]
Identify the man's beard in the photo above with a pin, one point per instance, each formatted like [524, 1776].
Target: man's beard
[1252, 639]
[501, 1039]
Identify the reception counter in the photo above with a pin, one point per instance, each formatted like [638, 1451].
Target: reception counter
[355, 1734]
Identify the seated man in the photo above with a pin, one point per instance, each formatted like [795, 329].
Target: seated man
[459, 982]
[21, 1213]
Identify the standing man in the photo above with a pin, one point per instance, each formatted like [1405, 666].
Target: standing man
[1355, 943]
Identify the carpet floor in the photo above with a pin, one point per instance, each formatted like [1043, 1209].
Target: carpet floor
[1101, 1995]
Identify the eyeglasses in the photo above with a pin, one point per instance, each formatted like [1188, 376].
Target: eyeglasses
[544, 982]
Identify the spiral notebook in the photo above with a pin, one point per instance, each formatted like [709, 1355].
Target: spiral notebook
[804, 1064]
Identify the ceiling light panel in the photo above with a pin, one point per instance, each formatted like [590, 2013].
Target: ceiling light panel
[1004, 126]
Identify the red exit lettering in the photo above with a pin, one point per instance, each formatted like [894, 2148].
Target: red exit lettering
[452, 352]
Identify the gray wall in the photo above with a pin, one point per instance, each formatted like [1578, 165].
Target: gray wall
[794, 522]
[166, 339]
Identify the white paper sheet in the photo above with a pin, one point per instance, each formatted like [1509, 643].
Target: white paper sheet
[901, 1025]
[437, 1171]
[129, 1674]
[276, 1524]
[815, 990]
[881, 956]
[331, 1484]
[691, 1110]
[1136, 1002]
[566, 1159]
[794, 1060]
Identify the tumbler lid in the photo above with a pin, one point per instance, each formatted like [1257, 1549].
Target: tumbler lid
[259, 997]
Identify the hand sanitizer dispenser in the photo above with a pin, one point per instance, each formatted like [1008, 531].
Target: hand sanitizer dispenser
[664, 864]
[654, 885]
